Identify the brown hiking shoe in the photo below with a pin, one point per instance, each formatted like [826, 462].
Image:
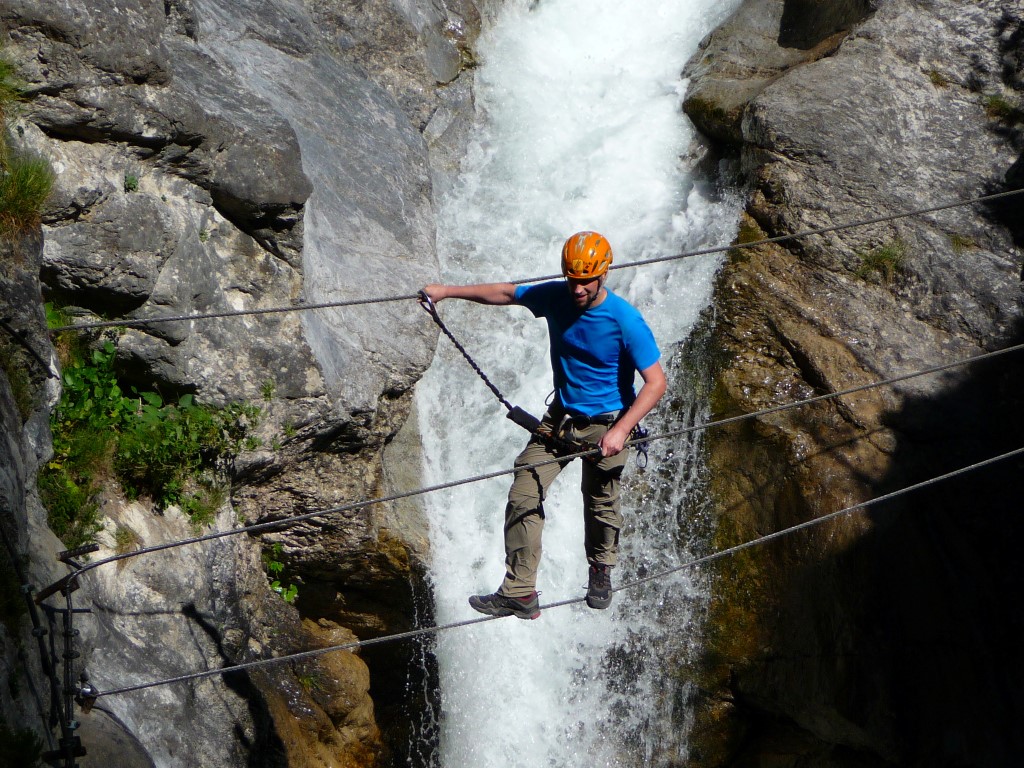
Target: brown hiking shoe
[599, 588]
[499, 605]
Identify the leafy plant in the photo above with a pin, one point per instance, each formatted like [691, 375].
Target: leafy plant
[26, 179]
[176, 453]
[11, 87]
[131, 182]
[267, 389]
[274, 572]
[125, 540]
[887, 261]
[311, 683]
[204, 235]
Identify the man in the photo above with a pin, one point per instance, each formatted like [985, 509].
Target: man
[598, 342]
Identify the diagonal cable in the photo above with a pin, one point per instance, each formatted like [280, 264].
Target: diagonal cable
[288, 521]
[423, 631]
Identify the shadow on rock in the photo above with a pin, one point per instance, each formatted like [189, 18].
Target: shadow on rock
[943, 578]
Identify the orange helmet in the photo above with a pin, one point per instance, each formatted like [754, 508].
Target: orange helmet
[586, 255]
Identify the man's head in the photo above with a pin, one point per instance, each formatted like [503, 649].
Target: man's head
[586, 257]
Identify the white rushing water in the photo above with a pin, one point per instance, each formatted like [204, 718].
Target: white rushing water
[579, 127]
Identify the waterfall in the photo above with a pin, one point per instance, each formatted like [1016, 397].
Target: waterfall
[579, 126]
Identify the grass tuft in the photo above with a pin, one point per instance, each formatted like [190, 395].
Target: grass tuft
[26, 181]
[887, 261]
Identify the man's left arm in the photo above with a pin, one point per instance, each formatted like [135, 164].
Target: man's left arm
[650, 393]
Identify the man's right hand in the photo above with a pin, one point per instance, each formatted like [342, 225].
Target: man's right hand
[436, 292]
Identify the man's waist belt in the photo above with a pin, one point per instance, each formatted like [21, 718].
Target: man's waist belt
[581, 422]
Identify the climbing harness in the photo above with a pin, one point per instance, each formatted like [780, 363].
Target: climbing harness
[555, 438]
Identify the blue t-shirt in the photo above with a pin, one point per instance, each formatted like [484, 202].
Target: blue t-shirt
[594, 353]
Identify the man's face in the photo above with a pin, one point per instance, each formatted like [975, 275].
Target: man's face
[584, 292]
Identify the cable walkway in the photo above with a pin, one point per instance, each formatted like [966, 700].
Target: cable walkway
[137, 322]
[69, 583]
[244, 666]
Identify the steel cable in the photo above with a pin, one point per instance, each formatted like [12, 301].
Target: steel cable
[134, 322]
[479, 620]
[289, 521]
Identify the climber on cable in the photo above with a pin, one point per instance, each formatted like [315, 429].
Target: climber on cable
[598, 342]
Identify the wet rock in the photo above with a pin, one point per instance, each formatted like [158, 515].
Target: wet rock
[821, 636]
[738, 61]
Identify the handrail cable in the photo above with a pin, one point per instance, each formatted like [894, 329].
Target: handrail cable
[132, 322]
[288, 521]
[659, 575]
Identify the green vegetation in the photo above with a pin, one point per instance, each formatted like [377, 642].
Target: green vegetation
[25, 178]
[887, 261]
[274, 572]
[311, 683]
[125, 540]
[25, 183]
[175, 453]
[998, 107]
[938, 79]
[131, 182]
[961, 243]
[10, 87]
[204, 235]
[267, 389]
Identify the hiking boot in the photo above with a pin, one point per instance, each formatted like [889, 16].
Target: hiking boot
[599, 588]
[499, 605]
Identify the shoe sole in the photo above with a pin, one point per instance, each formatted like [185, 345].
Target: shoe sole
[480, 607]
[599, 603]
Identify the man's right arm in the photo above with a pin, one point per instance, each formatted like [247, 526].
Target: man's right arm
[482, 293]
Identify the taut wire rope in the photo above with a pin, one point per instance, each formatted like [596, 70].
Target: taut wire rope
[651, 577]
[289, 521]
[134, 322]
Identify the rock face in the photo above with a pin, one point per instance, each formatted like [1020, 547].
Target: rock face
[860, 641]
[214, 156]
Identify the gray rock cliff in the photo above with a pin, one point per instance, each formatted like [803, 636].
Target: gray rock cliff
[215, 156]
[860, 642]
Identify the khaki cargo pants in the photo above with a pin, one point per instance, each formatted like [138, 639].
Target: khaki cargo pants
[524, 513]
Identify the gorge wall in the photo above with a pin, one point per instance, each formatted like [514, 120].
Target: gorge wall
[215, 156]
[884, 637]
[235, 154]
